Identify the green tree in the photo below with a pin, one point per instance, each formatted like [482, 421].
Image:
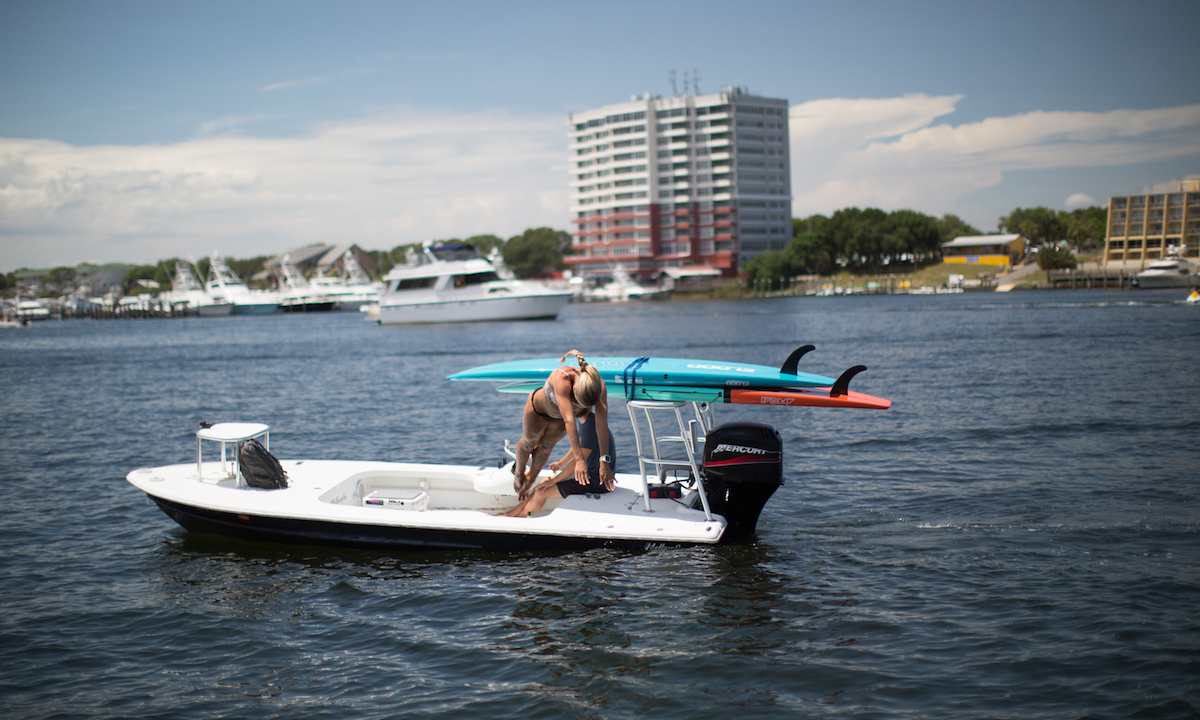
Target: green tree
[1040, 225]
[129, 284]
[806, 254]
[952, 226]
[1086, 227]
[245, 269]
[58, 280]
[400, 252]
[485, 243]
[535, 251]
[908, 232]
[1055, 258]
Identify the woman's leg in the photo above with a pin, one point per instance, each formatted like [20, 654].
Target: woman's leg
[533, 427]
[536, 501]
[554, 431]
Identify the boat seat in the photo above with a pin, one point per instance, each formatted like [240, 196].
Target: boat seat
[228, 436]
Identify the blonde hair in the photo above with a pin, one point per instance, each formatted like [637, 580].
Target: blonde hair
[589, 384]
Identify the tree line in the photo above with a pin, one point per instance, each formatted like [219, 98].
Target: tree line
[860, 240]
[871, 240]
[866, 240]
[1084, 227]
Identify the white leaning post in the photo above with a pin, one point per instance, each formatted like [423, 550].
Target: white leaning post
[687, 435]
[228, 435]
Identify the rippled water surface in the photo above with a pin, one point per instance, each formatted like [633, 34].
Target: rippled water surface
[1015, 538]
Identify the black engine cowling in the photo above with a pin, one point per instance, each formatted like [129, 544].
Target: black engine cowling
[743, 465]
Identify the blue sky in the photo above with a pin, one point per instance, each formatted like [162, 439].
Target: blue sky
[134, 131]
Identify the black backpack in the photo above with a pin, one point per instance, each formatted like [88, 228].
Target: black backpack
[259, 467]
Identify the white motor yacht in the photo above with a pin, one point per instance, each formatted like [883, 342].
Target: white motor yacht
[352, 289]
[224, 283]
[188, 297]
[30, 310]
[298, 294]
[1170, 272]
[622, 288]
[452, 283]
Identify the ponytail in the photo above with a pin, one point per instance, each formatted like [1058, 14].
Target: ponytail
[589, 384]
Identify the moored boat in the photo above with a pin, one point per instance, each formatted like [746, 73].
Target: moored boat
[224, 283]
[1170, 272]
[452, 283]
[298, 294]
[188, 298]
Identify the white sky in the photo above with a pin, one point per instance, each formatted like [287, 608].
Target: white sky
[138, 131]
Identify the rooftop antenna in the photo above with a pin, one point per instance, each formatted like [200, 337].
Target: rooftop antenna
[674, 89]
[695, 81]
[685, 83]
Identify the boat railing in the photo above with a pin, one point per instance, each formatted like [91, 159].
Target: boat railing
[650, 454]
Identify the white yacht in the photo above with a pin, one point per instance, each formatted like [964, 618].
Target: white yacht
[622, 288]
[1170, 272]
[452, 283]
[298, 294]
[352, 290]
[28, 310]
[188, 297]
[224, 283]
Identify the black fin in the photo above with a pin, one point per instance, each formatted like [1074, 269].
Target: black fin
[793, 361]
[842, 386]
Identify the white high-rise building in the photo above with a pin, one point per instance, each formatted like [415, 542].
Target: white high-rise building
[694, 180]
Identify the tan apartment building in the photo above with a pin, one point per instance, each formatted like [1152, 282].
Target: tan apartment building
[1145, 228]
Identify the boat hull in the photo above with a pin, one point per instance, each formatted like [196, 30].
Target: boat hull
[526, 307]
[295, 531]
[266, 308]
[334, 503]
[1163, 281]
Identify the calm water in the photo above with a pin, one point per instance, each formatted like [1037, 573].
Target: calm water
[1016, 538]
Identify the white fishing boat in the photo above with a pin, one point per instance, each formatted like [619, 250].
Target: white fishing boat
[187, 297]
[428, 506]
[224, 283]
[452, 283]
[692, 483]
[622, 288]
[1170, 272]
[298, 294]
[29, 311]
[352, 289]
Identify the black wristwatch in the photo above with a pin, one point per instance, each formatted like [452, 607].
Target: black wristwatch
[606, 459]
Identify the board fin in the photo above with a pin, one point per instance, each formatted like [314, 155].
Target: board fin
[842, 386]
[792, 364]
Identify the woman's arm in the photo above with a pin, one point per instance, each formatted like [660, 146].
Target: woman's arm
[606, 472]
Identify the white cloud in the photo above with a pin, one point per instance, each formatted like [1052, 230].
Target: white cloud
[380, 182]
[889, 154]
[1079, 200]
[414, 175]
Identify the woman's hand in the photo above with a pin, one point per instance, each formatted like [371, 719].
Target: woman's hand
[607, 477]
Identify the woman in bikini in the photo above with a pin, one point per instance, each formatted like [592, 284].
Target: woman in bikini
[569, 392]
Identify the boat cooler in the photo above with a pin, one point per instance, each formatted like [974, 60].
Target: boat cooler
[398, 499]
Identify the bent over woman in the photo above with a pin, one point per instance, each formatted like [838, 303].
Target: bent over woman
[569, 392]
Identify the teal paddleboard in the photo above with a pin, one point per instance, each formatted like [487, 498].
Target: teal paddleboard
[632, 371]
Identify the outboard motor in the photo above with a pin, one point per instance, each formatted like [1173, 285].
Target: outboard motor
[743, 465]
